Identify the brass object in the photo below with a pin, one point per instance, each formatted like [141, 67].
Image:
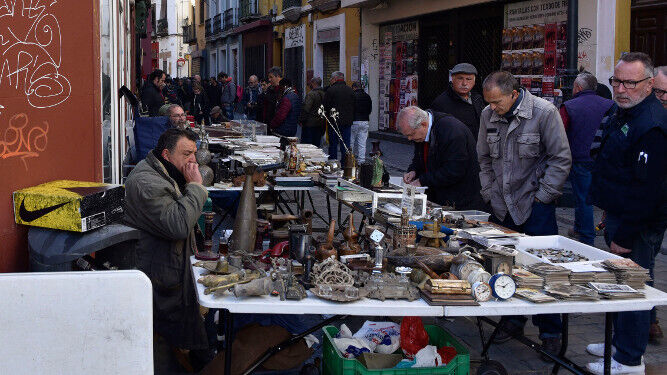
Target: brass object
[390, 286]
[208, 253]
[350, 234]
[245, 226]
[326, 249]
[291, 159]
[213, 280]
[220, 267]
[406, 234]
[350, 168]
[442, 286]
[433, 237]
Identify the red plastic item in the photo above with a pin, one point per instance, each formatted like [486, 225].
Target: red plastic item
[447, 353]
[281, 249]
[413, 336]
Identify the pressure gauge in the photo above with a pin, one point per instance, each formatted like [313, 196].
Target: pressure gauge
[502, 286]
[481, 291]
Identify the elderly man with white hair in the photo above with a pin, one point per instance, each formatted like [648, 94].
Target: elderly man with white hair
[444, 160]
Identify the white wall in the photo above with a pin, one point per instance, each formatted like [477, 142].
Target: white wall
[172, 45]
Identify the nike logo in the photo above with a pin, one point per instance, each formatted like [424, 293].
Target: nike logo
[29, 216]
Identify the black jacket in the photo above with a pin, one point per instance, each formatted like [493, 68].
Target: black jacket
[213, 94]
[451, 171]
[340, 96]
[200, 108]
[631, 167]
[363, 105]
[151, 99]
[450, 102]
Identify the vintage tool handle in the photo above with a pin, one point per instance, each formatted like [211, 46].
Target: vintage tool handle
[420, 226]
[285, 217]
[428, 270]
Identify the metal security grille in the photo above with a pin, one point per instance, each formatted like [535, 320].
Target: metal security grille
[294, 67]
[471, 34]
[255, 61]
[331, 59]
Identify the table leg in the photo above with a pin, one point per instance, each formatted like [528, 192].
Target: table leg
[485, 354]
[608, 318]
[565, 319]
[228, 318]
[312, 205]
[328, 208]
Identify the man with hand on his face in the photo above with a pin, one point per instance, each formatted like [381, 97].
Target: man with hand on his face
[628, 184]
[458, 99]
[164, 198]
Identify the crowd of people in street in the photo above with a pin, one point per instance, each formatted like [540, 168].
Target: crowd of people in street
[506, 152]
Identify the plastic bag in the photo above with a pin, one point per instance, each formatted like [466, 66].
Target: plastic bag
[428, 357]
[351, 347]
[413, 336]
[447, 353]
[382, 337]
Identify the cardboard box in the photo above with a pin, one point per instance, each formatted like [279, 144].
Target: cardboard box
[76, 206]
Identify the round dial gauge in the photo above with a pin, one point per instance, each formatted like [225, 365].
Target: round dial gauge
[481, 291]
[502, 286]
[467, 268]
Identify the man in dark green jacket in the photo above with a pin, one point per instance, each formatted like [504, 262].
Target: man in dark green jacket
[312, 125]
[164, 197]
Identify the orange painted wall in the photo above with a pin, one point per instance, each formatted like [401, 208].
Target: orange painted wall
[50, 124]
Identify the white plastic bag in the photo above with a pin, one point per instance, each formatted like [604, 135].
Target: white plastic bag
[382, 337]
[428, 357]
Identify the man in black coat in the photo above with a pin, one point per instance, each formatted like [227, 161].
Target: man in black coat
[445, 158]
[458, 100]
[340, 96]
[151, 93]
[363, 106]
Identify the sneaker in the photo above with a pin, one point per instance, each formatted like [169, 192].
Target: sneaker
[616, 368]
[598, 349]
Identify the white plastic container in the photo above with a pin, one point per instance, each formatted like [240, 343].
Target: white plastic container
[593, 254]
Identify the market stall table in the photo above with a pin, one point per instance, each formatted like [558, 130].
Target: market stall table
[230, 305]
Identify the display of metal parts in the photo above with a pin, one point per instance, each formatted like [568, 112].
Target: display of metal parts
[339, 293]
[557, 255]
[390, 286]
[332, 272]
[220, 267]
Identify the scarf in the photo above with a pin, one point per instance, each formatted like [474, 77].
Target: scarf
[172, 171]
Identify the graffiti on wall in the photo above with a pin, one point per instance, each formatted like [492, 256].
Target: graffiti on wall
[30, 64]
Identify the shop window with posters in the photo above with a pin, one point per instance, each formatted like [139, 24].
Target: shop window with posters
[534, 45]
[398, 71]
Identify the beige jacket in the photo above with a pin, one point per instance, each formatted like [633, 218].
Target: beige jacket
[526, 159]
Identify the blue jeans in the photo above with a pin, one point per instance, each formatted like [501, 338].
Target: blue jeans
[312, 135]
[346, 133]
[580, 178]
[229, 110]
[631, 327]
[541, 222]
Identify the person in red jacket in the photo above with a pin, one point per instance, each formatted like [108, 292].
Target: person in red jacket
[288, 108]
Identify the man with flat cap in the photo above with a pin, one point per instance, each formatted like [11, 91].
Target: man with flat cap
[458, 100]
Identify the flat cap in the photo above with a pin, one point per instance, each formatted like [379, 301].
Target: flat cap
[463, 68]
[215, 109]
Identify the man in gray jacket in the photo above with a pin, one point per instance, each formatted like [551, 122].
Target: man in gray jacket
[164, 197]
[524, 159]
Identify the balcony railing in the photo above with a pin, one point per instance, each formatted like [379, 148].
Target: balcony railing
[291, 3]
[162, 27]
[217, 24]
[189, 35]
[248, 10]
[230, 20]
[207, 27]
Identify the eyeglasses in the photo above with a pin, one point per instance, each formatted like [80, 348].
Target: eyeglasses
[615, 82]
[659, 92]
[178, 115]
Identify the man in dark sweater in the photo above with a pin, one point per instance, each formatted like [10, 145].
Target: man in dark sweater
[363, 105]
[151, 93]
[445, 159]
[581, 117]
[628, 178]
[341, 97]
[458, 99]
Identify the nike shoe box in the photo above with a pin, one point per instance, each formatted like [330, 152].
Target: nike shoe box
[75, 206]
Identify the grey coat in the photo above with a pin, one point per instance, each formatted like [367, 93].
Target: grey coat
[526, 159]
[167, 218]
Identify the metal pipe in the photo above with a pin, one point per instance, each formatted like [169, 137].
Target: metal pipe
[572, 47]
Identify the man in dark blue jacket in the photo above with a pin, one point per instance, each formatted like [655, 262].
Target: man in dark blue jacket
[288, 108]
[445, 159]
[628, 179]
[581, 117]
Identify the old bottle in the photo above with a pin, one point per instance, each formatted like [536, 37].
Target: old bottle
[245, 226]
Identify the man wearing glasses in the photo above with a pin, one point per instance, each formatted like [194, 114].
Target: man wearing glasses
[660, 85]
[177, 117]
[627, 184]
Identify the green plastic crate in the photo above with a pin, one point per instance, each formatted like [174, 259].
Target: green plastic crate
[336, 364]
